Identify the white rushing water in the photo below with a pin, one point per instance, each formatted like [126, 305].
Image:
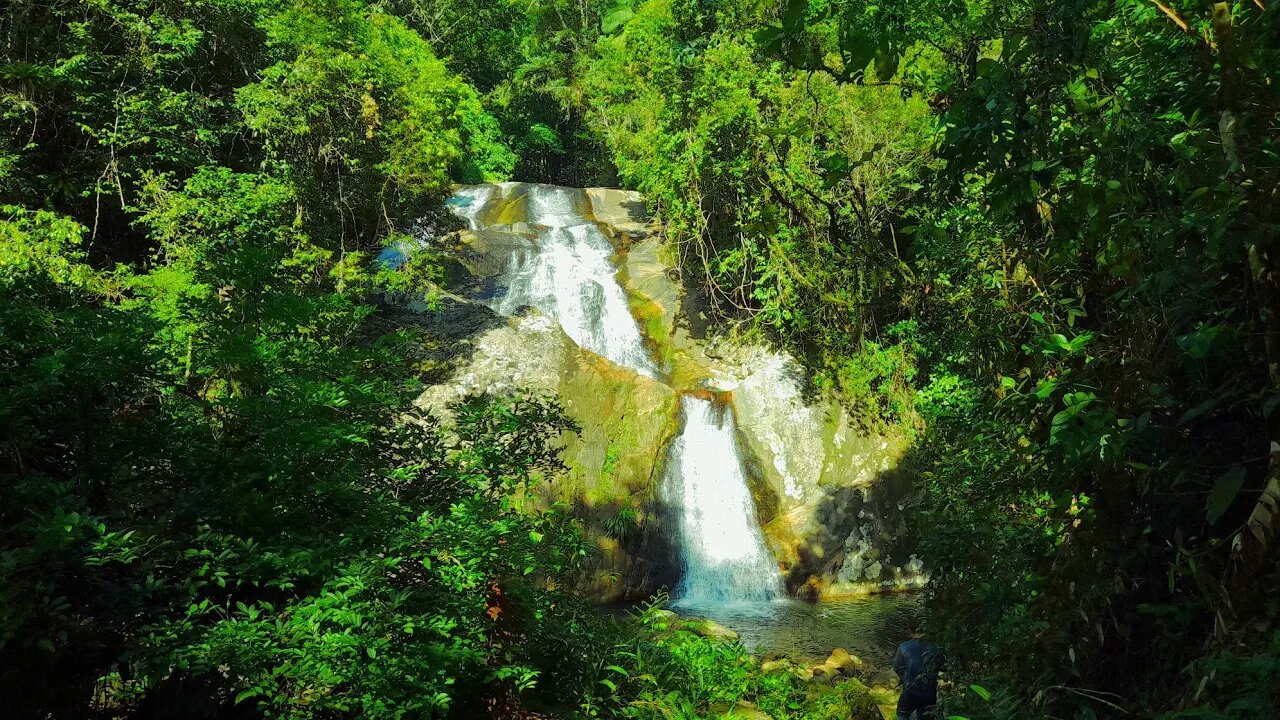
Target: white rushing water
[467, 203]
[724, 556]
[570, 276]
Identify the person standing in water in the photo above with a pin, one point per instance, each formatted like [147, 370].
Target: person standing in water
[917, 663]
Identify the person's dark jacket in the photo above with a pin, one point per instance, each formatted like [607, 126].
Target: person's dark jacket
[917, 663]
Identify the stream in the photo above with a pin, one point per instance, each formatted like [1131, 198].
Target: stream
[870, 626]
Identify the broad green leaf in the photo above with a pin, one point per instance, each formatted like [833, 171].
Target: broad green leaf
[612, 22]
[858, 51]
[793, 15]
[1225, 489]
[886, 63]
[769, 38]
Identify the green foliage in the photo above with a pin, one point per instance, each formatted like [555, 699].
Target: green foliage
[220, 506]
[772, 180]
[213, 498]
[1037, 236]
[663, 669]
[518, 54]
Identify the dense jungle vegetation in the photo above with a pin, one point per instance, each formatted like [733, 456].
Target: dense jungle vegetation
[1040, 237]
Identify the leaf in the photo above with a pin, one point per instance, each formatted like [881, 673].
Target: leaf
[1266, 514]
[1224, 493]
[981, 692]
[836, 162]
[246, 694]
[1198, 410]
[610, 23]
[769, 38]
[986, 67]
[793, 15]
[886, 63]
[1198, 343]
[858, 50]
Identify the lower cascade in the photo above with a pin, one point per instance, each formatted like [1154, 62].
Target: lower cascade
[724, 556]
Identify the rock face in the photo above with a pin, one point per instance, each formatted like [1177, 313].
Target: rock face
[614, 460]
[828, 497]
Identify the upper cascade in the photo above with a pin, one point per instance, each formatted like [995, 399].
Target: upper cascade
[568, 275]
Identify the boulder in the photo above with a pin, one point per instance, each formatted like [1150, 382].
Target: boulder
[626, 421]
[623, 211]
[654, 298]
[663, 619]
[823, 673]
[843, 662]
[779, 665]
[811, 590]
[529, 352]
[883, 679]
[856, 702]
[712, 630]
[480, 258]
[802, 673]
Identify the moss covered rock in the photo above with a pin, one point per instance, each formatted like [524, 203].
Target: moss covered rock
[622, 212]
[744, 710]
[853, 702]
[712, 630]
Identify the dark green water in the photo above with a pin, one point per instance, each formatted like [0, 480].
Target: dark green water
[870, 627]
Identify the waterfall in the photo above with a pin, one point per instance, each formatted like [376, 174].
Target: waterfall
[725, 559]
[570, 276]
[467, 203]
